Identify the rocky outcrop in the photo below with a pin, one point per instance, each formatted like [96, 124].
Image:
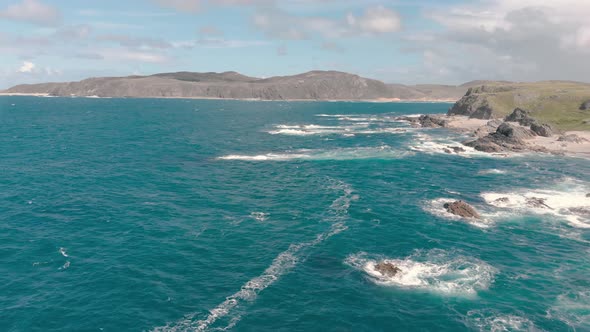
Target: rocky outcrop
[432, 121]
[544, 130]
[521, 116]
[453, 149]
[572, 138]
[387, 269]
[585, 106]
[507, 138]
[462, 209]
[488, 128]
[536, 202]
[472, 106]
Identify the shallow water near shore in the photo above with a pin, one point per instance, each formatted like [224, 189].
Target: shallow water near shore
[205, 215]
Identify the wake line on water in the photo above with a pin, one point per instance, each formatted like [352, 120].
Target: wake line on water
[280, 266]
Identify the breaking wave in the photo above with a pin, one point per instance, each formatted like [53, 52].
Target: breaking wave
[572, 308]
[568, 201]
[381, 152]
[435, 270]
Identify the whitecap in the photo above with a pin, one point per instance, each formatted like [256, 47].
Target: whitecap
[259, 216]
[567, 201]
[63, 252]
[437, 271]
[572, 308]
[381, 152]
[489, 320]
[492, 171]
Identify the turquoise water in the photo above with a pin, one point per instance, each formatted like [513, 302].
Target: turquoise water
[186, 215]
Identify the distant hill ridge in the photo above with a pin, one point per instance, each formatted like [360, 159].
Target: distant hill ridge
[313, 85]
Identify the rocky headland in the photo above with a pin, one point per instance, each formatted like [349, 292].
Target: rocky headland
[549, 117]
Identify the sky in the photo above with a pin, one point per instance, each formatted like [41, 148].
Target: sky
[396, 41]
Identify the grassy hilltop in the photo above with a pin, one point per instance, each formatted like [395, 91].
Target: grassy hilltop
[554, 102]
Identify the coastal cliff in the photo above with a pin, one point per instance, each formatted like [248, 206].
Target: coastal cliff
[558, 103]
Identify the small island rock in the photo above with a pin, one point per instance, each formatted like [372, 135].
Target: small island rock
[462, 209]
[387, 269]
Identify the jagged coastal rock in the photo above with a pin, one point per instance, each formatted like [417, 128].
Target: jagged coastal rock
[387, 269]
[572, 138]
[521, 116]
[544, 130]
[508, 137]
[462, 209]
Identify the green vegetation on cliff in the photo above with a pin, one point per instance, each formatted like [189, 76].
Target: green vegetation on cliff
[553, 102]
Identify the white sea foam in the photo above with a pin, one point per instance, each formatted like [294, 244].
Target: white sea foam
[259, 216]
[566, 200]
[430, 145]
[381, 152]
[573, 308]
[492, 171]
[63, 252]
[360, 128]
[435, 270]
[281, 265]
[65, 266]
[491, 321]
[436, 207]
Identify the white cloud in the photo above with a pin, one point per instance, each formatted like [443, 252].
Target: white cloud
[27, 67]
[522, 40]
[32, 11]
[375, 20]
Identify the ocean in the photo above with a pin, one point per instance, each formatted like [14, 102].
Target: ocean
[209, 215]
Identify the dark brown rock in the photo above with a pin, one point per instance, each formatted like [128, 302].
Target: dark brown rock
[432, 121]
[536, 202]
[585, 106]
[502, 200]
[544, 130]
[462, 209]
[521, 116]
[387, 269]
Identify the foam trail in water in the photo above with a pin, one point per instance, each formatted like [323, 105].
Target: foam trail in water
[573, 308]
[281, 265]
[381, 152]
[434, 270]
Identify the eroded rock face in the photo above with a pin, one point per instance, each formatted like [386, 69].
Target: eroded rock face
[462, 209]
[473, 106]
[488, 128]
[544, 130]
[513, 132]
[387, 269]
[521, 116]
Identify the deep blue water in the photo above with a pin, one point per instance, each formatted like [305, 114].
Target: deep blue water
[187, 215]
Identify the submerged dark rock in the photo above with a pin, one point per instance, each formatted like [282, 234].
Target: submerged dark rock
[453, 149]
[387, 269]
[462, 209]
[502, 200]
[536, 202]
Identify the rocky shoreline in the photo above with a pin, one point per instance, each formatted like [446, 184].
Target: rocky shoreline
[516, 133]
